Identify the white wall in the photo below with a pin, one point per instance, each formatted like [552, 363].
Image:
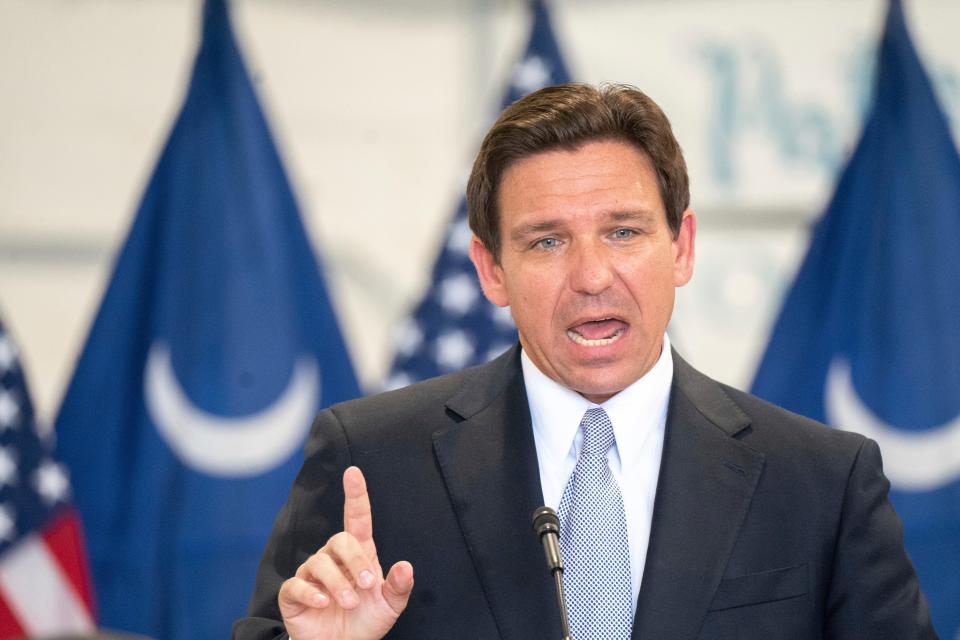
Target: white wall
[378, 107]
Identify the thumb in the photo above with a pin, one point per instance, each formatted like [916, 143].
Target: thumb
[398, 585]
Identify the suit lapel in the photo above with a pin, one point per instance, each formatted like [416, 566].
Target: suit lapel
[489, 464]
[707, 479]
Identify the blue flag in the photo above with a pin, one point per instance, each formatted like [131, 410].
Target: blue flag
[214, 346]
[869, 335]
[454, 326]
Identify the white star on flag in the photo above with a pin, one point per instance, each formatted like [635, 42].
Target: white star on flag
[458, 293]
[9, 409]
[8, 467]
[531, 74]
[460, 236]
[51, 482]
[454, 349]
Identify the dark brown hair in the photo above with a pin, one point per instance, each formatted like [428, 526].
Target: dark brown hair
[566, 117]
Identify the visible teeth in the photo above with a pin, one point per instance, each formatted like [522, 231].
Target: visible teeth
[579, 339]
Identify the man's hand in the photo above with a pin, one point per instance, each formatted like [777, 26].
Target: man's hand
[340, 591]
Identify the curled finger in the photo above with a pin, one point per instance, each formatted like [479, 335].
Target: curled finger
[323, 570]
[351, 556]
[297, 594]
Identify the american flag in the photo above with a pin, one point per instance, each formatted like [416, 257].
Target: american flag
[454, 326]
[44, 582]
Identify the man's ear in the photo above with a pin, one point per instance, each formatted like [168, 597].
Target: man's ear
[684, 249]
[489, 272]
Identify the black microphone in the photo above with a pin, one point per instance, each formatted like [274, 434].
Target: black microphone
[547, 525]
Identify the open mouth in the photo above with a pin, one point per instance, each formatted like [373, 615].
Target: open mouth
[597, 333]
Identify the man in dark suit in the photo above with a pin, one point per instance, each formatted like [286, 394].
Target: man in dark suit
[688, 509]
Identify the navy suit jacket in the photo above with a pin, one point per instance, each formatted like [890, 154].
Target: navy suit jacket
[766, 525]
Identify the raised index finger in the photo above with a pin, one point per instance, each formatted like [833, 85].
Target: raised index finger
[357, 518]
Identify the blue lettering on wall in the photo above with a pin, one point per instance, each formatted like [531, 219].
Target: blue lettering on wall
[749, 99]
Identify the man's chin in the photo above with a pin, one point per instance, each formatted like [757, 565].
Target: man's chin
[598, 398]
[599, 391]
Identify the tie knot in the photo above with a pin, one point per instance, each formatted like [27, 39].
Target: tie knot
[597, 433]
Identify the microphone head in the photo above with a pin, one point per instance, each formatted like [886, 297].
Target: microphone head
[545, 520]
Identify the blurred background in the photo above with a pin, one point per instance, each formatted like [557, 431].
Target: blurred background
[377, 109]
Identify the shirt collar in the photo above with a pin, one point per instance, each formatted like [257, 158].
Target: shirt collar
[635, 412]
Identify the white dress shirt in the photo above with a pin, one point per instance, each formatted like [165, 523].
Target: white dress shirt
[638, 414]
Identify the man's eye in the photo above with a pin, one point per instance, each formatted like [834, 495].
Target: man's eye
[547, 243]
[624, 234]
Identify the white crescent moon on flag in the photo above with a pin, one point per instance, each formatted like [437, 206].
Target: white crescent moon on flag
[912, 460]
[233, 447]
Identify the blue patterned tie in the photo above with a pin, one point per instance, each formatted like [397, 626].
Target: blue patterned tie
[593, 540]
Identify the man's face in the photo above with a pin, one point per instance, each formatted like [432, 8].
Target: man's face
[588, 264]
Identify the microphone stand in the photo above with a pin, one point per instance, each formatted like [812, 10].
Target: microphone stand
[564, 621]
[547, 525]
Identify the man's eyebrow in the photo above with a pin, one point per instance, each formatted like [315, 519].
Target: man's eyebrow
[637, 215]
[526, 230]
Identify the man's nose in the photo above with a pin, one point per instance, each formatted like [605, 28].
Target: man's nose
[591, 270]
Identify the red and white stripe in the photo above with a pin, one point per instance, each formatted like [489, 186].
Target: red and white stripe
[45, 583]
